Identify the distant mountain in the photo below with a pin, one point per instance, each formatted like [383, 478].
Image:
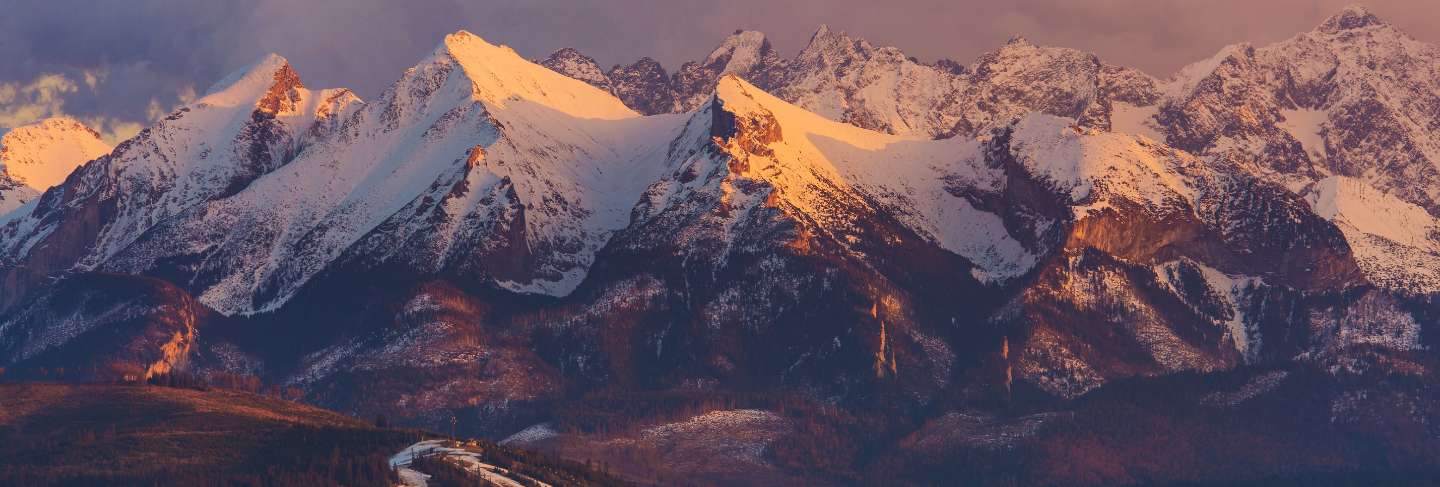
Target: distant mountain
[891, 245]
[40, 155]
[1333, 114]
[1348, 99]
[880, 88]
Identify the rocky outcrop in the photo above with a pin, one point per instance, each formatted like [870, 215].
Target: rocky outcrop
[101, 327]
[645, 87]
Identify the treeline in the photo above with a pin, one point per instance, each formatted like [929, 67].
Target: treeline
[178, 379]
[296, 456]
[169, 379]
[828, 441]
[223, 380]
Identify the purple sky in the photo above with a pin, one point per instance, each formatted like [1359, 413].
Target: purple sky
[119, 64]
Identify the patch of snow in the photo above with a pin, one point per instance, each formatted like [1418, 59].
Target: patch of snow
[722, 433]
[1253, 388]
[1233, 291]
[1306, 125]
[1094, 168]
[1136, 120]
[975, 429]
[534, 433]
[743, 49]
[322, 363]
[1374, 319]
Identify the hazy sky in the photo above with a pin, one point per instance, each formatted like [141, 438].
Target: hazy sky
[119, 64]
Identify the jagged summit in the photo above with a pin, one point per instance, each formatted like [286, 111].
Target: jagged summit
[500, 76]
[739, 97]
[1351, 18]
[746, 52]
[822, 30]
[272, 73]
[571, 62]
[829, 43]
[740, 52]
[40, 155]
[567, 52]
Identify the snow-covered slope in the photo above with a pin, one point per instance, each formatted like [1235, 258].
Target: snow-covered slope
[476, 161]
[1342, 107]
[879, 88]
[1396, 243]
[818, 166]
[245, 126]
[40, 155]
[1354, 97]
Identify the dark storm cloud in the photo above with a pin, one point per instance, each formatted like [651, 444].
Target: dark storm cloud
[144, 56]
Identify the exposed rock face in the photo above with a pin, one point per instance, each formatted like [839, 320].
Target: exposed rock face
[572, 63]
[746, 53]
[645, 87]
[879, 233]
[101, 327]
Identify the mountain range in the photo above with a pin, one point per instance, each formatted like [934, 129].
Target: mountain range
[938, 258]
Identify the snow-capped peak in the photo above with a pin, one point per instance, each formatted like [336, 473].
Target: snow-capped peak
[826, 170]
[741, 52]
[1184, 81]
[823, 30]
[1350, 18]
[828, 44]
[734, 94]
[501, 77]
[40, 155]
[269, 80]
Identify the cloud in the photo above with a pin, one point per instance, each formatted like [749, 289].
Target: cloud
[43, 97]
[112, 131]
[23, 103]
